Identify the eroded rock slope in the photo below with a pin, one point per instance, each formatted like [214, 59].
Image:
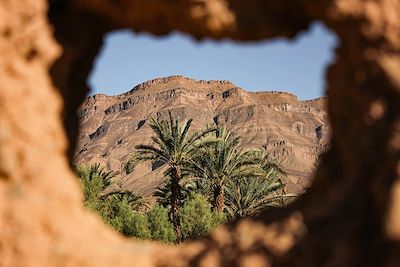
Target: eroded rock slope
[293, 131]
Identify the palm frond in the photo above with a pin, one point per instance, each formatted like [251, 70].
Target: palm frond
[248, 197]
[135, 200]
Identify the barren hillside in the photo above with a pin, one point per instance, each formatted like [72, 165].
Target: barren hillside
[291, 130]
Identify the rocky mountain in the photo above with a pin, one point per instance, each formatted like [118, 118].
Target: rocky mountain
[292, 131]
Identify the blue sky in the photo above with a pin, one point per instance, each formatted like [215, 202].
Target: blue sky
[128, 59]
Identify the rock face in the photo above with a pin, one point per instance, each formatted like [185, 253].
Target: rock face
[348, 217]
[294, 132]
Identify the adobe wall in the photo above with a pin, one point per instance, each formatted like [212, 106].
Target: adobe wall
[349, 217]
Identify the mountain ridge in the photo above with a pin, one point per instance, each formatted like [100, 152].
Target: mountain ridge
[293, 131]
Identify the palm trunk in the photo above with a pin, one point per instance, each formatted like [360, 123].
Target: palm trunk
[175, 203]
[219, 199]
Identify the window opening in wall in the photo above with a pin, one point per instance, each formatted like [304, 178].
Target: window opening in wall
[259, 125]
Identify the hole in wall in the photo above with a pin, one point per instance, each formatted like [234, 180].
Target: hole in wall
[268, 92]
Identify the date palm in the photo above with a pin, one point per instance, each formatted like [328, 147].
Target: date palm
[94, 180]
[135, 200]
[174, 147]
[220, 161]
[249, 196]
[163, 193]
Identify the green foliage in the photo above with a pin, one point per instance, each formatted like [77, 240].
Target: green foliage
[174, 147]
[221, 160]
[212, 163]
[136, 201]
[118, 213]
[197, 219]
[160, 225]
[249, 196]
[137, 225]
[164, 196]
[94, 180]
[116, 208]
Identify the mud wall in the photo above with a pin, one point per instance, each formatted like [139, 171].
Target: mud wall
[349, 217]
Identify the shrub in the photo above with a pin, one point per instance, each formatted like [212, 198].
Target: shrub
[136, 225]
[197, 219]
[160, 226]
[94, 180]
[122, 218]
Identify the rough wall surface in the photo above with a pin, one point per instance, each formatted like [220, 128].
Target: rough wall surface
[349, 217]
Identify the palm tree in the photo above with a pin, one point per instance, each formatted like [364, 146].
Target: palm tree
[270, 168]
[221, 161]
[164, 193]
[135, 200]
[174, 147]
[249, 196]
[94, 180]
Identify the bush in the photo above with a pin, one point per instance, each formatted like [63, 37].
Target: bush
[219, 218]
[160, 226]
[94, 180]
[136, 225]
[197, 219]
[122, 218]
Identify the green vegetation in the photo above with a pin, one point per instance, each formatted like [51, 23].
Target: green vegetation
[221, 160]
[160, 225]
[94, 180]
[209, 178]
[174, 147]
[196, 217]
[248, 197]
